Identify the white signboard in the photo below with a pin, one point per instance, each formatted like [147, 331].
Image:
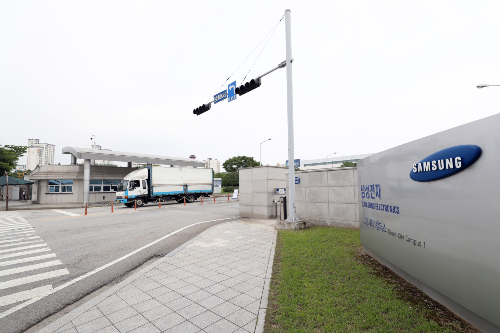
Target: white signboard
[429, 211]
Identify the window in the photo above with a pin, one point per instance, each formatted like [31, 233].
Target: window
[106, 185]
[61, 186]
[144, 184]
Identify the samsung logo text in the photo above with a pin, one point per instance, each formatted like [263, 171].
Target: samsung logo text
[445, 163]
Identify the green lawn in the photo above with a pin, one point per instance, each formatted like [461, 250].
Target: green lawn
[321, 283]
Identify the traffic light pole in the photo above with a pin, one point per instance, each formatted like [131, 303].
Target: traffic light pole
[292, 216]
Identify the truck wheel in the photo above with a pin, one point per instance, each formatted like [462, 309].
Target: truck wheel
[139, 202]
[190, 198]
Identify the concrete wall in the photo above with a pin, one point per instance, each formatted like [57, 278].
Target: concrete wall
[328, 197]
[257, 188]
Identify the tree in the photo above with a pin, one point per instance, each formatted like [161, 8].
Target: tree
[8, 157]
[348, 165]
[228, 178]
[237, 162]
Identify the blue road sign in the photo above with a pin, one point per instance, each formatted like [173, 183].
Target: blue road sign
[297, 180]
[220, 96]
[231, 88]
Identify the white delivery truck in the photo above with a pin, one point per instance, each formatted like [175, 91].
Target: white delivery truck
[154, 182]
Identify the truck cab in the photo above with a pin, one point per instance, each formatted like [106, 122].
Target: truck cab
[134, 188]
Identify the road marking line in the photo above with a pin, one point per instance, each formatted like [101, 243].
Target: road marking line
[25, 295]
[12, 224]
[3, 231]
[23, 248]
[66, 213]
[23, 253]
[30, 267]
[69, 283]
[16, 234]
[33, 278]
[18, 239]
[23, 229]
[20, 261]
[22, 243]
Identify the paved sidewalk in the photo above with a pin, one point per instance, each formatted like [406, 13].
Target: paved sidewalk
[217, 282]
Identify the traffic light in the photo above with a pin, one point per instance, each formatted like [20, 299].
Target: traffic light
[249, 86]
[201, 109]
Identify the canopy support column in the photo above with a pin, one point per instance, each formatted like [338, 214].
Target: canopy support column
[86, 181]
[73, 159]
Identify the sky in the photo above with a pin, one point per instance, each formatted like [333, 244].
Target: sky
[367, 75]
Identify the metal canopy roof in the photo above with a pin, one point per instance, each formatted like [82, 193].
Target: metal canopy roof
[110, 155]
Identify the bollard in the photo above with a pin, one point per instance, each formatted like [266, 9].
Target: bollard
[184, 201]
[85, 209]
[159, 203]
[202, 200]
[135, 205]
[214, 198]
[228, 198]
[112, 208]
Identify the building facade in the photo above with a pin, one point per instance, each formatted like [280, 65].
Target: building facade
[56, 184]
[327, 163]
[213, 164]
[99, 162]
[40, 154]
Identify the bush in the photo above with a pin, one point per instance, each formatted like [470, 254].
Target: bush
[229, 189]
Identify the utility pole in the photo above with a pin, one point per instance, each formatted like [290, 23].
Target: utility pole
[7, 197]
[292, 215]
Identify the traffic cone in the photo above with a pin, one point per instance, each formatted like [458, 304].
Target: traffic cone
[112, 208]
[184, 201]
[85, 209]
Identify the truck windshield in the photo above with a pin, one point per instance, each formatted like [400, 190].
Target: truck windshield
[122, 185]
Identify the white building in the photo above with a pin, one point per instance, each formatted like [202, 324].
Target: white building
[40, 154]
[327, 163]
[99, 162]
[21, 167]
[213, 164]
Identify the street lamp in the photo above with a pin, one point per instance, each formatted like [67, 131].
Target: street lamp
[479, 86]
[329, 156]
[260, 157]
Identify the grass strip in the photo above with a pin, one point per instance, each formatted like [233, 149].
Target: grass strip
[323, 283]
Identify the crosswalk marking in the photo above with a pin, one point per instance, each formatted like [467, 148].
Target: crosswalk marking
[22, 243]
[30, 268]
[17, 230]
[22, 248]
[16, 226]
[18, 239]
[33, 278]
[65, 212]
[12, 224]
[20, 261]
[25, 295]
[7, 229]
[17, 234]
[23, 253]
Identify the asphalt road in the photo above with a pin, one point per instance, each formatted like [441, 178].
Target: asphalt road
[64, 245]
